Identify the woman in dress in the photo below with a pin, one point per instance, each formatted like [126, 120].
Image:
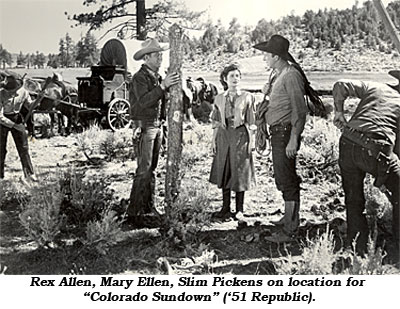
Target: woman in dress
[233, 122]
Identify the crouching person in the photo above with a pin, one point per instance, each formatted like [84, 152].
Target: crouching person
[367, 145]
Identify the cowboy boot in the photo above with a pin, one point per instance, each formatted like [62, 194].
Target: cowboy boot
[226, 204]
[282, 220]
[239, 198]
[291, 223]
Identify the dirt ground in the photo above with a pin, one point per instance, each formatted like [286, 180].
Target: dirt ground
[231, 248]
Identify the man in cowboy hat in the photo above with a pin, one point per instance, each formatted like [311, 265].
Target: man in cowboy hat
[369, 144]
[12, 98]
[147, 98]
[286, 117]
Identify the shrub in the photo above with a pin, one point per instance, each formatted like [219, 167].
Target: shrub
[187, 217]
[84, 200]
[370, 264]
[97, 144]
[319, 152]
[11, 195]
[89, 141]
[41, 216]
[317, 258]
[103, 233]
[117, 145]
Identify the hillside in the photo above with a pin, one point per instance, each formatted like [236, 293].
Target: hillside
[351, 57]
[328, 40]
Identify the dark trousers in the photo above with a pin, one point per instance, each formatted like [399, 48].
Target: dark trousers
[286, 179]
[355, 161]
[143, 188]
[21, 143]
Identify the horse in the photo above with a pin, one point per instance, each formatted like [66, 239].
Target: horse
[203, 95]
[59, 100]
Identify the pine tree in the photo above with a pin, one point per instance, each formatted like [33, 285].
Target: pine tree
[87, 53]
[21, 59]
[5, 57]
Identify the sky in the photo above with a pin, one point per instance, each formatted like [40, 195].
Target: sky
[38, 25]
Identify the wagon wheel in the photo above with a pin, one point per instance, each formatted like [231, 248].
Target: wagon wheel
[118, 114]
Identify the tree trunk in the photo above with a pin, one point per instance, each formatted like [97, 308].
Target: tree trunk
[175, 117]
[388, 23]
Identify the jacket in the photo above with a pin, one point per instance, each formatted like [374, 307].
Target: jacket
[146, 97]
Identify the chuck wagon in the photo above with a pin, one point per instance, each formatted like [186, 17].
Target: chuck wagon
[104, 95]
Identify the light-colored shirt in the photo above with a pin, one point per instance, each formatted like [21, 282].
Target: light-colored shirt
[11, 103]
[378, 111]
[243, 110]
[287, 104]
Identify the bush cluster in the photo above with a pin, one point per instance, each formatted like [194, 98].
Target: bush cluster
[186, 218]
[98, 145]
[84, 199]
[71, 205]
[319, 257]
[319, 151]
[40, 215]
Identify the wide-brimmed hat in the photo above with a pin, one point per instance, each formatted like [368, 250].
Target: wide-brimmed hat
[149, 46]
[395, 74]
[13, 82]
[276, 45]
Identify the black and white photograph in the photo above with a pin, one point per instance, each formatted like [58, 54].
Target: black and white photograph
[215, 137]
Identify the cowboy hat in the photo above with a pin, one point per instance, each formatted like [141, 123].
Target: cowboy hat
[149, 46]
[395, 74]
[13, 82]
[276, 45]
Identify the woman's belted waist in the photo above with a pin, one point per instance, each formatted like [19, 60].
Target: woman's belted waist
[230, 122]
[368, 141]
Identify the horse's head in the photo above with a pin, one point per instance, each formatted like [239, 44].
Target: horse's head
[33, 85]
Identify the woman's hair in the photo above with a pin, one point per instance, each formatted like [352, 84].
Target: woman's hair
[225, 72]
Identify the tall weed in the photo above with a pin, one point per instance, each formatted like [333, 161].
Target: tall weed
[371, 263]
